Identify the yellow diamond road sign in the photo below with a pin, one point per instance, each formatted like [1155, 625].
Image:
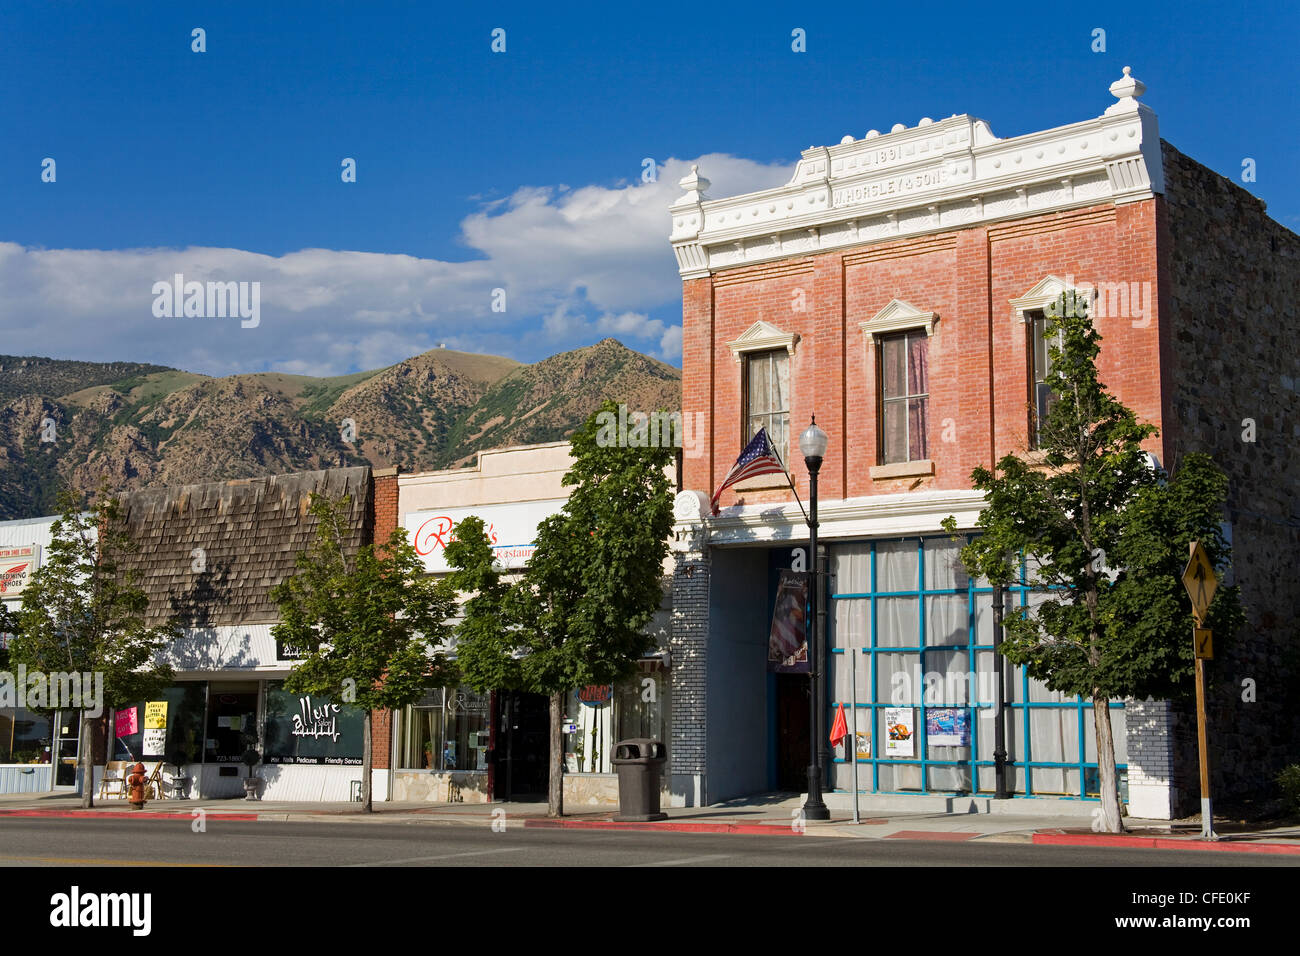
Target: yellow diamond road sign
[1200, 581]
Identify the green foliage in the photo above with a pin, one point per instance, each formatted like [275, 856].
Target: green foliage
[369, 626]
[82, 612]
[1106, 532]
[577, 614]
[1288, 781]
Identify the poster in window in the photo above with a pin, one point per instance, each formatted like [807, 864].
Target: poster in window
[864, 744]
[900, 732]
[126, 722]
[947, 727]
[311, 729]
[155, 729]
[787, 646]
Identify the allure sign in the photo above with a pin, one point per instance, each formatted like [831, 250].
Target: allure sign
[322, 721]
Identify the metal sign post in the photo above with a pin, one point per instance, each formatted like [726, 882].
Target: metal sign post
[1200, 582]
[853, 749]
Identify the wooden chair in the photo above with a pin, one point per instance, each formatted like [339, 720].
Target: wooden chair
[114, 779]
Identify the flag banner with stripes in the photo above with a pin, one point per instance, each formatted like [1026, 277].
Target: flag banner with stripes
[758, 458]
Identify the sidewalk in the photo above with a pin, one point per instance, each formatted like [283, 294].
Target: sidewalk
[769, 816]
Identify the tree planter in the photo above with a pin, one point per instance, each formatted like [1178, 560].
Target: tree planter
[251, 786]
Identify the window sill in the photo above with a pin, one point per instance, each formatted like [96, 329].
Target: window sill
[762, 483]
[902, 469]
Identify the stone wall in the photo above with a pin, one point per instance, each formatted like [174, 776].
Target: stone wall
[1231, 277]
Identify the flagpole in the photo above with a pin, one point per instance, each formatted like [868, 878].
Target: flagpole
[853, 698]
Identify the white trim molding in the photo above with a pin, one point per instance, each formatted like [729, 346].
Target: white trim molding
[762, 337]
[935, 177]
[874, 516]
[1046, 291]
[899, 316]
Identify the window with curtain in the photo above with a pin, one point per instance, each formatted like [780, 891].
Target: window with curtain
[904, 397]
[767, 398]
[1041, 398]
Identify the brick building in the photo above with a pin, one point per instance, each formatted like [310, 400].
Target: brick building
[894, 288]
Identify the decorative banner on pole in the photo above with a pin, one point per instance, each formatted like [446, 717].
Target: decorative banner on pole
[787, 646]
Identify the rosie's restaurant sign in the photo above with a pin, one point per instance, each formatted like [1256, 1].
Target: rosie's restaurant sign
[511, 528]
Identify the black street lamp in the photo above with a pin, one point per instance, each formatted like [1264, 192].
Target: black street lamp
[813, 444]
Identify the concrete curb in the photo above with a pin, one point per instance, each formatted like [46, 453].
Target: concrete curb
[766, 829]
[125, 814]
[1160, 843]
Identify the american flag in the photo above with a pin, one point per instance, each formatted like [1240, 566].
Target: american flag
[758, 458]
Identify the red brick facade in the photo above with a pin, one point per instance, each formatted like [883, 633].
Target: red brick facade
[385, 522]
[978, 355]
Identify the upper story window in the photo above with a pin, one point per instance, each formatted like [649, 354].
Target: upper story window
[1041, 398]
[767, 398]
[1030, 309]
[904, 396]
[763, 352]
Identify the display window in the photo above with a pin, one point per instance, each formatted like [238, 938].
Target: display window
[917, 632]
[446, 730]
[598, 716]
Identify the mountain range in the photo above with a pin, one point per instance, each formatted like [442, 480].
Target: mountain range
[70, 425]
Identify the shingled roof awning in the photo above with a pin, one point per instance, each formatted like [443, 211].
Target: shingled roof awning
[251, 532]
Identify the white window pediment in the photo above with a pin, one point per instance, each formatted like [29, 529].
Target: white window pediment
[761, 337]
[899, 316]
[1047, 290]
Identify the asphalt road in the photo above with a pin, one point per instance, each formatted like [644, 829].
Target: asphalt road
[114, 843]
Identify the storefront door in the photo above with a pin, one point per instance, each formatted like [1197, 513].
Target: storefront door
[792, 732]
[522, 746]
[67, 727]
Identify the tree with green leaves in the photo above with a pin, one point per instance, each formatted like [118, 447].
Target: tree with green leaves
[1104, 534]
[577, 614]
[82, 613]
[371, 627]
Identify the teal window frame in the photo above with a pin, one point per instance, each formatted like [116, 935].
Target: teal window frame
[1021, 708]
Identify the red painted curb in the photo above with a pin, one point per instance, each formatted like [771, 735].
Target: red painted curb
[1159, 843]
[126, 814]
[763, 828]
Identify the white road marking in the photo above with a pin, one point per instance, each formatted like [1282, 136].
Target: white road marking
[444, 856]
[687, 859]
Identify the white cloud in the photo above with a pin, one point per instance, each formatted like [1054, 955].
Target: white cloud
[561, 254]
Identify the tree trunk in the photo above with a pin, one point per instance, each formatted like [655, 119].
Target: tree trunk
[367, 757]
[555, 783]
[1111, 821]
[83, 759]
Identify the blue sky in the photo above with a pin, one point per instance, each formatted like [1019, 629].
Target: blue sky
[518, 170]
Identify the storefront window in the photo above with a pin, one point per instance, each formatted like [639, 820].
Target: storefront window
[170, 726]
[598, 716]
[25, 735]
[920, 635]
[448, 729]
[312, 728]
[232, 721]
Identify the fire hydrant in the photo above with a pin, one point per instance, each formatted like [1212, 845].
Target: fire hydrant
[135, 787]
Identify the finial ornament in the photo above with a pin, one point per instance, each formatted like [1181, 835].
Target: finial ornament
[1126, 89]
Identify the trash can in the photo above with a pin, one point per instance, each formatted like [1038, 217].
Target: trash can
[639, 762]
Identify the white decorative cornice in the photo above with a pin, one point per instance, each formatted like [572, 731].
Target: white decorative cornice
[760, 337]
[898, 316]
[873, 516]
[935, 177]
[1045, 291]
